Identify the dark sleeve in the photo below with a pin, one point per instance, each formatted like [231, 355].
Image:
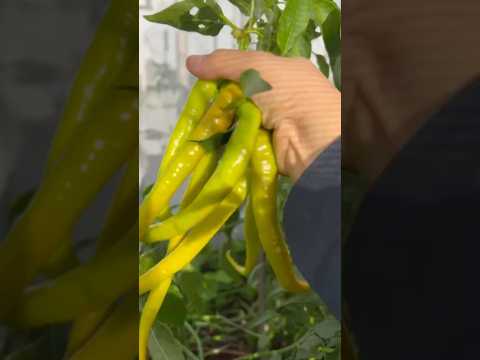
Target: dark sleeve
[312, 226]
[411, 264]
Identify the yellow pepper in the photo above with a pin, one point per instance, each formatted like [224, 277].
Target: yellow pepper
[194, 241]
[264, 194]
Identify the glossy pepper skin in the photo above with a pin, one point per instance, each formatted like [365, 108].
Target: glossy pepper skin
[200, 176]
[264, 194]
[116, 338]
[218, 118]
[64, 258]
[202, 94]
[114, 46]
[252, 244]
[101, 147]
[231, 168]
[84, 289]
[156, 203]
[149, 313]
[185, 154]
[195, 240]
[152, 206]
[121, 216]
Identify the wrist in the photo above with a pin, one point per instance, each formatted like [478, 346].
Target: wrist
[319, 127]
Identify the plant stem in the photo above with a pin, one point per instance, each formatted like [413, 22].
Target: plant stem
[186, 350]
[252, 14]
[230, 23]
[192, 331]
[268, 354]
[239, 327]
[244, 39]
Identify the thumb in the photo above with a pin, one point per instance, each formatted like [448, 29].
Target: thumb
[226, 64]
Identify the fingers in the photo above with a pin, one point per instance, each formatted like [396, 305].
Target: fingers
[228, 64]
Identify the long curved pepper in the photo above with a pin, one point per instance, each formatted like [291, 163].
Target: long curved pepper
[218, 118]
[200, 176]
[155, 205]
[86, 288]
[252, 244]
[121, 216]
[231, 168]
[157, 296]
[114, 46]
[149, 313]
[101, 147]
[195, 241]
[202, 94]
[264, 201]
[157, 202]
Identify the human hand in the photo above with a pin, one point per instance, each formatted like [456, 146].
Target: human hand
[303, 108]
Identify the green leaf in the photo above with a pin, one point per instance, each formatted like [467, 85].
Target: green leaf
[303, 44]
[220, 276]
[327, 328]
[152, 255]
[323, 65]
[264, 7]
[192, 15]
[192, 286]
[173, 310]
[215, 7]
[312, 30]
[331, 35]
[163, 345]
[293, 22]
[243, 5]
[252, 83]
[302, 47]
[336, 355]
[331, 30]
[321, 9]
[337, 72]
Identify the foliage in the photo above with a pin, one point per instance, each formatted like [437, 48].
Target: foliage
[287, 32]
[226, 319]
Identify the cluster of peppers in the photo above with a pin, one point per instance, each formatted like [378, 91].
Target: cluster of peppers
[225, 167]
[97, 137]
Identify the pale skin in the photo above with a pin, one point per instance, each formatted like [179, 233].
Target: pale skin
[303, 109]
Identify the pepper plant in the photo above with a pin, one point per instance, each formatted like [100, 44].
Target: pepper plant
[210, 311]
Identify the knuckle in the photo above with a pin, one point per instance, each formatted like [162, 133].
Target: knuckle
[218, 55]
[303, 62]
